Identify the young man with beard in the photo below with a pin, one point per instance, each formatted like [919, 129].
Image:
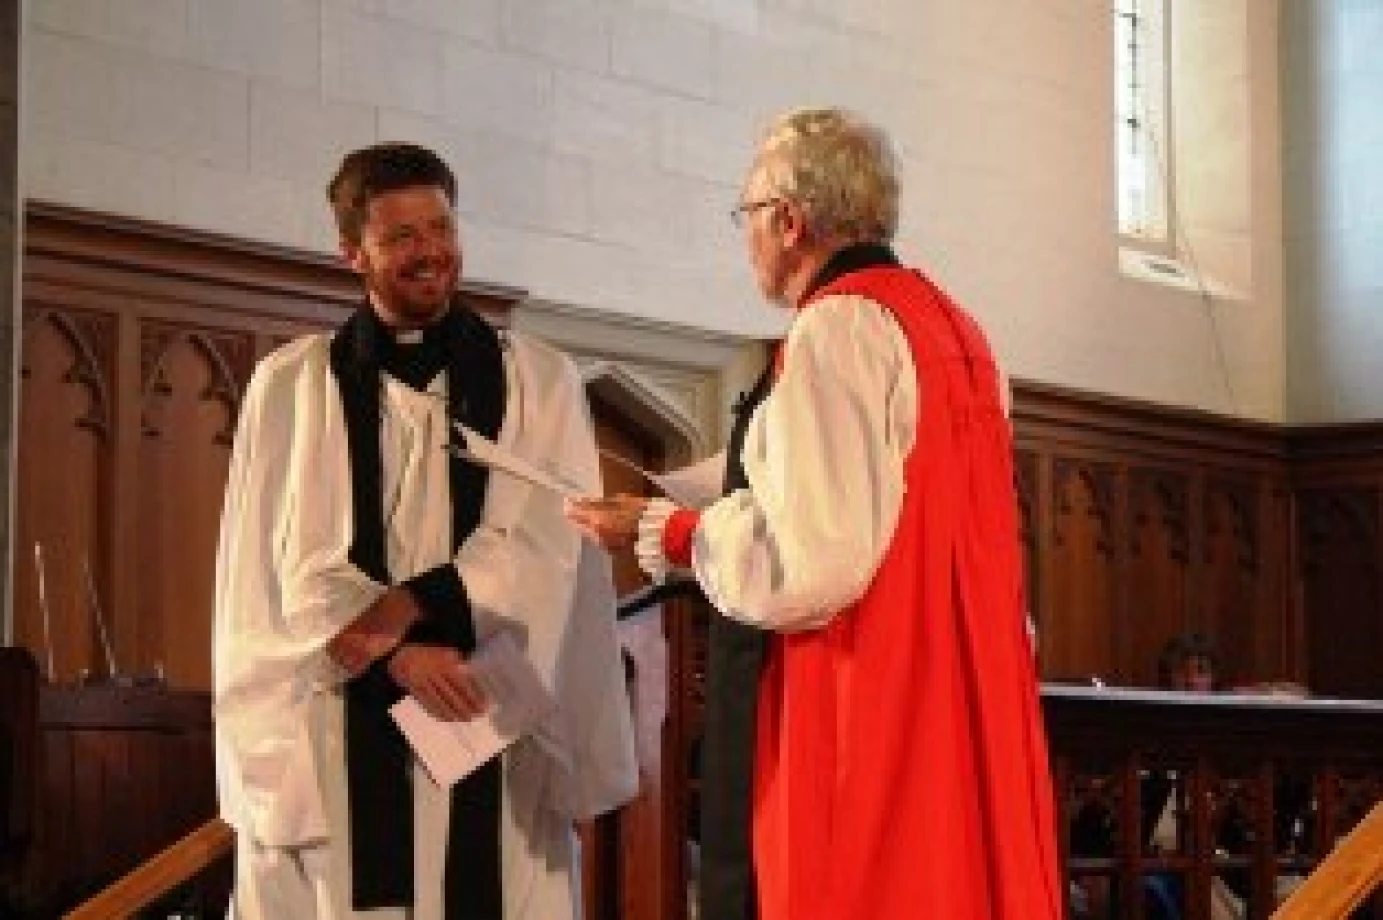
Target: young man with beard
[360, 560]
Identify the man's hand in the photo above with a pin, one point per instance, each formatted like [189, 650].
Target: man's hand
[372, 634]
[440, 679]
[612, 522]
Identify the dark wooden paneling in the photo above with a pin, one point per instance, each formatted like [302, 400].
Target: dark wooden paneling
[19, 682]
[1337, 481]
[66, 423]
[137, 343]
[124, 772]
[1078, 564]
[1142, 522]
[1340, 580]
[1152, 522]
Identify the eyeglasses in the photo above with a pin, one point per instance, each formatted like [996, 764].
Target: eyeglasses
[740, 211]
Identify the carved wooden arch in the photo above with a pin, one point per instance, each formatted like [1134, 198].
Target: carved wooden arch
[1099, 482]
[1333, 519]
[644, 404]
[91, 363]
[228, 357]
[1025, 476]
[1166, 495]
[1237, 499]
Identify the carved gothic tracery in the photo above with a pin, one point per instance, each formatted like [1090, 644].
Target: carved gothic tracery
[1233, 504]
[91, 337]
[1161, 498]
[229, 358]
[1338, 524]
[1025, 481]
[1095, 479]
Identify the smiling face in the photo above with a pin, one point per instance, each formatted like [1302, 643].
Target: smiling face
[409, 254]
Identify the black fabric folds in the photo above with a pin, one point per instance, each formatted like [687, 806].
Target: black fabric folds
[734, 663]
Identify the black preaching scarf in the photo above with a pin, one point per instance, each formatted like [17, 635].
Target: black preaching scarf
[377, 755]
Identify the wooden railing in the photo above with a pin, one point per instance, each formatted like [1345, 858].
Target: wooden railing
[1348, 875]
[173, 867]
[1175, 800]
[1294, 779]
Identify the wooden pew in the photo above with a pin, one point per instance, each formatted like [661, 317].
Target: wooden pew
[19, 683]
[122, 773]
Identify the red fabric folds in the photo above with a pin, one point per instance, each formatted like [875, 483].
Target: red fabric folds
[901, 766]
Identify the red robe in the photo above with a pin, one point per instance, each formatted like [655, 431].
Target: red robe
[901, 766]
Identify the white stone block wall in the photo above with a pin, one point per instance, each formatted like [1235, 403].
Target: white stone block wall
[1333, 97]
[600, 143]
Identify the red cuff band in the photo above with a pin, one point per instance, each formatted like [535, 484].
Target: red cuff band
[677, 536]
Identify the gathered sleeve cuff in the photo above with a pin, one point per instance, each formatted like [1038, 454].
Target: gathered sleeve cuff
[677, 536]
[664, 539]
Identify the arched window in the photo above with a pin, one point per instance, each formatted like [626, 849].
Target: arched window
[1141, 122]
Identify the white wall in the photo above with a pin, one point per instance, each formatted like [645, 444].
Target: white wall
[1222, 345]
[1333, 166]
[600, 143]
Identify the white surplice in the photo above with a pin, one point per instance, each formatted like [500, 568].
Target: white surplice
[285, 586]
[834, 434]
[824, 455]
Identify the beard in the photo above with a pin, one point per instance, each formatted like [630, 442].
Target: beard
[416, 294]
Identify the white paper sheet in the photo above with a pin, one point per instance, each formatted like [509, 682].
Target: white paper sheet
[698, 485]
[480, 449]
[694, 486]
[518, 702]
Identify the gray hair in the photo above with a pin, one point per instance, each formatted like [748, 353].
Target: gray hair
[838, 167]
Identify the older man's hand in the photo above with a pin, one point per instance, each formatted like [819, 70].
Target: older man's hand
[612, 522]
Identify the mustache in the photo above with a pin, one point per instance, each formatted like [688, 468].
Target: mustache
[413, 269]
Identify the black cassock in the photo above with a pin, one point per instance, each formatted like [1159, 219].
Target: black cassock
[734, 662]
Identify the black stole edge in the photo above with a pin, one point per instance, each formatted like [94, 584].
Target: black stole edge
[377, 755]
[735, 654]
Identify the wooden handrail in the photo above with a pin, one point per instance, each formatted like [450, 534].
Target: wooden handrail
[160, 874]
[1344, 878]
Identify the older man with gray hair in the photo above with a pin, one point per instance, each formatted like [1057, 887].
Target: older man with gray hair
[899, 765]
